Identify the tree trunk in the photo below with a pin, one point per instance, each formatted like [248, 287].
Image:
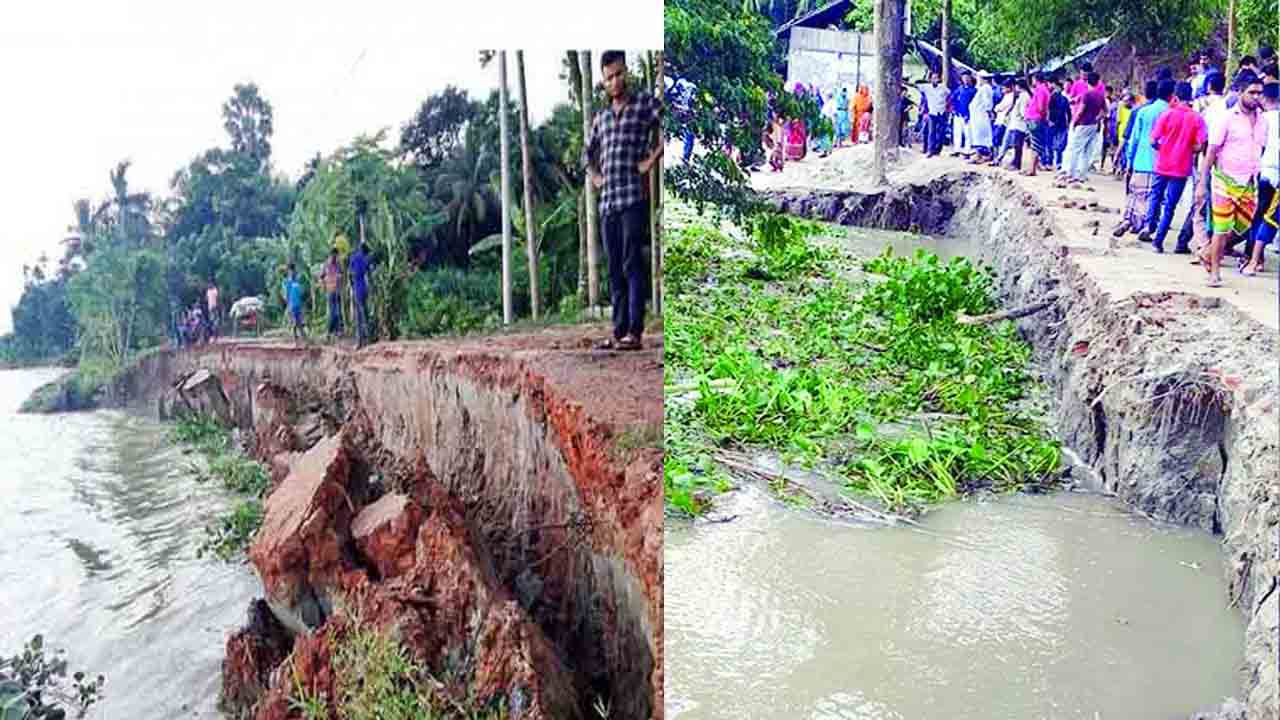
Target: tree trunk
[946, 44]
[1231, 39]
[582, 249]
[655, 207]
[507, 311]
[593, 261]
[530, 229]
[888, 33]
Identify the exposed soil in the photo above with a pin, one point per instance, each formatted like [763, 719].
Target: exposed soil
[495, 499]
[1168, 390]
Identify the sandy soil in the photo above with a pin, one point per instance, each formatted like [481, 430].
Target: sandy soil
[1129, 268]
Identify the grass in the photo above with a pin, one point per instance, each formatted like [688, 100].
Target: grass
[228, 535]
[375, 678]
[771, 343]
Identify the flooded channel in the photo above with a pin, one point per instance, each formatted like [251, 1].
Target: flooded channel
[1052, 606]
[98, 536]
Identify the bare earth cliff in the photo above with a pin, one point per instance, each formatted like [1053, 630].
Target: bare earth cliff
[497, 501]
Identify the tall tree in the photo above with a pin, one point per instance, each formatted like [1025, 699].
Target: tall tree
[655, 207]
[574, 63]
[946, 40]
[436, 130]
[129, 211]
[888, 30]
[506, 188]
[1231, 38]
[530, 235]
[247, 118]
[589, 190]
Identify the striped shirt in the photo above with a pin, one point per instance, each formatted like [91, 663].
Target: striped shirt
[619, 141]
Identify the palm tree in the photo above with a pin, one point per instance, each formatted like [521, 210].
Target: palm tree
[463, 182]
[593, 262]
[531, 244]
[506, 189]
[129, 211]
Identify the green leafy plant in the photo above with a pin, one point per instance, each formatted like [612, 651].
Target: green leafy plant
[34, 685]
[872, 377]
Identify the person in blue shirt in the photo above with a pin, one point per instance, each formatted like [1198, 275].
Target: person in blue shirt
[961, 97]
[1140, 158]
[358, 268]
[292, 292]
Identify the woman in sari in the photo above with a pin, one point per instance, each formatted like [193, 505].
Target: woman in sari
[797, 140]
[861, 113]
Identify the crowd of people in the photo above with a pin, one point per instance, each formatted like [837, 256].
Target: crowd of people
[1219, 135]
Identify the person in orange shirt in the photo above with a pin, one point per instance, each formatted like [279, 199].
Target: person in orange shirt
[861, 113]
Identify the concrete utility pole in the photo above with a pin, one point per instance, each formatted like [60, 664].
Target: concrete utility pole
[655, 220]
[946, 44]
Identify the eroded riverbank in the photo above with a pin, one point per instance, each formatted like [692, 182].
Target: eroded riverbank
[494, 499]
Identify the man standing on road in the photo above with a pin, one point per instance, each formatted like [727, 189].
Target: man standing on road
[1141, 159]
[1232, 163]
[332, 288]
[622, 150]
[211, 299]
[1083, 141]
[1038, 123]
[359, 269]
[1179, 134]
[935, 99]
[292, 292]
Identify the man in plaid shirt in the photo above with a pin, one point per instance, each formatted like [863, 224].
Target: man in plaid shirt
[619, 156]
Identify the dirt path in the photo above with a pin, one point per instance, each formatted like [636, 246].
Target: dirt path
[1131, 267]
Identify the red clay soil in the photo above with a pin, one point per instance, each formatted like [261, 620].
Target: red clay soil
[517, 522]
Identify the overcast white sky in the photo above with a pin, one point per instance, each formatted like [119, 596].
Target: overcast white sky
[89, 84]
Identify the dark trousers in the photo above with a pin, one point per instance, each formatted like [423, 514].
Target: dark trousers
[935, 133]
[1165, 193]
[362, 317]
[624, 236]
[335, 313]
[1265, 191]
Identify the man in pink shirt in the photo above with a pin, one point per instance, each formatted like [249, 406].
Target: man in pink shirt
[1038, 122]
[1179, 134]
[1232, 161]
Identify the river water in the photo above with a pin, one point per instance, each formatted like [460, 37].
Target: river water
[1060, 606]
[98, 534]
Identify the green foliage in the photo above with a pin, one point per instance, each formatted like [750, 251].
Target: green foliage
[34, 685]
[875, 378]
[375, 678]
[43, 326]
[361, 184]
[452, 301]
[730, 56]
[119, 301]
[228, 536]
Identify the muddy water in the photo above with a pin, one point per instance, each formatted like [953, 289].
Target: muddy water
[1057, 606]
[98, 533]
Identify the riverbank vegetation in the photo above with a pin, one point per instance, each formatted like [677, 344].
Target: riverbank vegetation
[427, 199]
[34, 685]
[779, 340]
[228, 535]
[375, 678]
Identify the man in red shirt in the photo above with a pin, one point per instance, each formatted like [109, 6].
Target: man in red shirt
[1038, 123]
[1178, 135]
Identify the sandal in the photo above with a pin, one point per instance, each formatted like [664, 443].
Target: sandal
[607, 344]
[629, 343]
[1215, 282]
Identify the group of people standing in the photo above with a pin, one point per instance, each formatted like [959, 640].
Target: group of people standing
[1063, 122]
[1221, 137]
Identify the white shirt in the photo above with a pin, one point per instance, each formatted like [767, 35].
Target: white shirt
[1270, 169]
[1003, 107]
[936, 97]
[1018, 114]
